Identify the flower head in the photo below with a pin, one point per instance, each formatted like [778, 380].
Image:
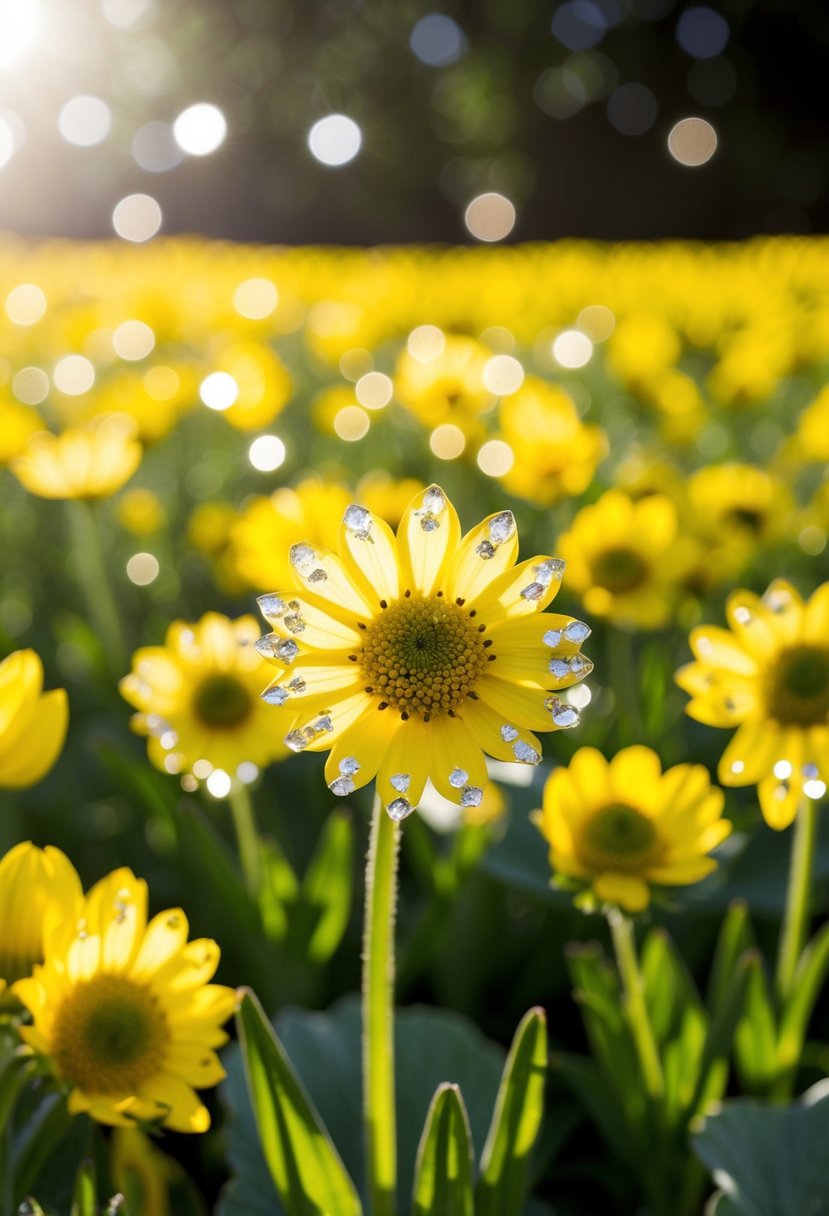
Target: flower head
[198, 696]
[38, 889]
[408, 657]
[620, 826]
[32, 722]
[124, 1012]
[89, 461]
[769, 676]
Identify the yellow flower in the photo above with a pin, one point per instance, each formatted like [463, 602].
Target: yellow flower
[263, 385]
[387, 496]
[38, 889]
[89, 461]
[446, 383]
[141, 512]
[768, 676]
[736, 509]
[410, 657]
[198, 697]
[555, 454]
[17, 423]
[812, 436]
[620, 826]
[626, 560]
[32, 722]
[124, 1012]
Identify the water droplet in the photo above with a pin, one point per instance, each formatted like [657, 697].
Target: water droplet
[782, 770]
[358, 521]
[501, 527]
[296, 741]
[270, 646]
[342, 786]
[524, 753]
[434, 500]
[287, 650]
[564, 715]
[322, 726]
[294, 622]
[552, 638]
[471, 795]
[581, 665]
[508, 733]
[458, 777]
[577, 631]
[399, 809]
[317, 576]
[272, 607]
[545, 572]
[737, 766]
[302, 558]
[810, 771]
[297, 684]
[485, 550]
[400, 782]
[349, 765]
[533, 591]
[429, 523]
[559, 668]
[742, 615]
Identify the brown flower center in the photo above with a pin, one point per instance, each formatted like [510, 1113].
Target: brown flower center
[222, 702]
[618, 837]
[619, 570]
[799, 686]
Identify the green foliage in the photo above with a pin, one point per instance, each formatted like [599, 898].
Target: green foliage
[443, 1170]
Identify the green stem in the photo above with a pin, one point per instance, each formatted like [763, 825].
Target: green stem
[378, 1012]
[624, 944]
[93, 576]
[247, 837]
[798, 898]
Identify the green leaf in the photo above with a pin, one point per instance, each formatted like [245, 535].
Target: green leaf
[279, 888]
[808, 982]
[600, 1101]
[770, 1161]
[443, 1171]
[303, 1163]
[669, 989]
[327, 886]
[519, 1109]
[755, 1040]
[85, 1196]
[713, 1066]
[38, 1142]
[734, 939]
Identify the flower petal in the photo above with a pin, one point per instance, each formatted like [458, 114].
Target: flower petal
[427, 539]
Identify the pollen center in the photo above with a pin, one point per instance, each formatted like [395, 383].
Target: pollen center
[109, 1035]
[423, 655]
[619, 570]
[619, 837]
[799, 688]
[222, 702]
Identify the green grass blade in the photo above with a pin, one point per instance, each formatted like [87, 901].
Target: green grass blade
[443, 1172]
[85, 1195]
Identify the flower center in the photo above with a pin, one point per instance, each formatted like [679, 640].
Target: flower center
[423, 655]
[799, 686]
[222, 702]
[109, 1035]
[618, 837]
[746, 518]
[619, 570]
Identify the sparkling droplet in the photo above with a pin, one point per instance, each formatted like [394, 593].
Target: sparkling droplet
[552, 638]
[471, 795]
[429, 523]
[778, 599]
[581, 665]
[268, 645]
[559, 668]
[458, 777]
[296, 741]
[358, 522]
[294, 622]
[501, 527]
[577, 631]
[742, 615]
[434, 500]
[400, 782]
[297, 684]
[485, 550]
[322, 726]
[287, 650]
[782, 770]
[302, 558]
[272, 607]
[349, 765]
[737, 766]
[533, 591]
[564, 715]
[524, 753]
[342, 786]
[545, 572]
[317, 576]
[508, 733]
[399, 809]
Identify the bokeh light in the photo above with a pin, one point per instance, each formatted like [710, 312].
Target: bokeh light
[219, 391]
[503, 375]
[19, 23]
[490, 217]
[142, 569]
[154, 147]
[447, 441]
[31, 385]
[335, 140]
[426, 343]
[73, 375]
[437, 40]
[219, 783]
[692, 141]
[25, 304]
[85, 121]
[255, 299]
[137, 218]
[133, 340]
[200, 129]
[702, 32]
[374, 390]
[351, 423]
[572, 349]
[267, 453]
[495, 458]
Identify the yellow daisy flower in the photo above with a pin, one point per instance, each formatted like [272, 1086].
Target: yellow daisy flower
[32, 722]
[198, 697]
[38, 889]
[89, 461]
[17, 423]
[736, 509]
[769, 676]
[123, 1010]
[621, 826]
[626, 560]
[410, 657]
[446, 384]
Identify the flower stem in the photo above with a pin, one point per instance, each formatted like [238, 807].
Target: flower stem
[624, 944]
[378, 1012]
[93, 577]
[247, 837]
[798, 898]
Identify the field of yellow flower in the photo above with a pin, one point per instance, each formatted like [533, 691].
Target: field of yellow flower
[503, 568]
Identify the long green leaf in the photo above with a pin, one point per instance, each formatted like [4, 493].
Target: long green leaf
[443, 1171]
[755, 1040]
[326, 887]
[808, 981]
[305, 1166]
[519, 1109]
[734, 939]
[713, 1067]
[85, 1196]
[38, 1143]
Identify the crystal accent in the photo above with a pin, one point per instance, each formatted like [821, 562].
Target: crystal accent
[458, 777]
[577, 631]
[485, 550]
[287, 650]
[302, 558]
[294, 622]
[559, 668]
[509, 733]
[399, 809]
[434, 503]
[321, 727]
[296, 741]
[271, 606]
[471, 795]
[317, 576]
[342, 786]
[275, 695]
[401, 782]
[580, 664]
[552, 638]
[297, 684]
[501, 527]
[545, 572]
[777, 599]
[349, 765]
[524, 753]
[357, 522]
[533, 591]
[564, 715]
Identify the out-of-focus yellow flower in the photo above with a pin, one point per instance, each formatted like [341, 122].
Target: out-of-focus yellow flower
[768, 676]
[123, 1011]
[626, 559]
[89, 461]
[621, 826]
[154, 397]
[736, 510]
[198, 697]
[267, 527]
[642, 347]
[812, 435]
[448, 386]
[555, 454]
[141, 512]
[38, 889]
[17, 423]
[752, 362]
[410, 656]
[141, 1172]
[209, 526]
[680, 404]
[263, 384]
[32, 722]
[387, 496]
[641, 474]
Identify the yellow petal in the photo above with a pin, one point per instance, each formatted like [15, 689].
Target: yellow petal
[718, 648]
[37, 750]
[635, 773]
[407, 763]
[365, 743]
[779, 801]
[457, 760]
[427, 539]
[626, 891]
[750, 754]
[523, 590]
[327, 583]
[483, 554]
[369, 553]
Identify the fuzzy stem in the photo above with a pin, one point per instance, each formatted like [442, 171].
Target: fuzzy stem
[798, 898]
[93, 577]
[624, 944]
[378, 1012]
[247, 837]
